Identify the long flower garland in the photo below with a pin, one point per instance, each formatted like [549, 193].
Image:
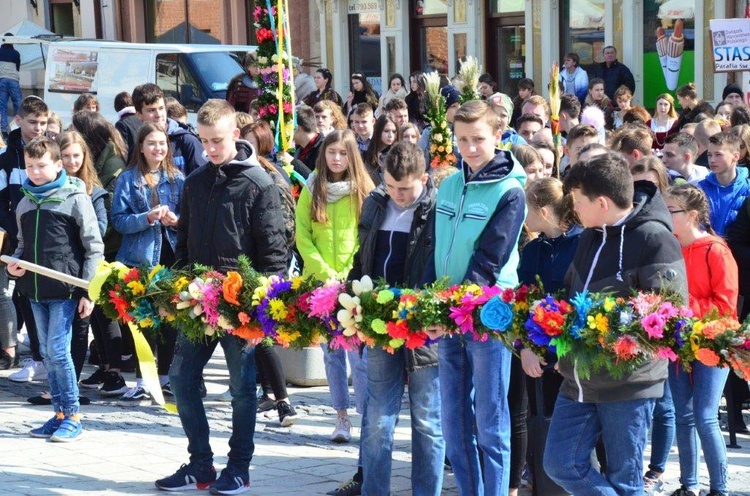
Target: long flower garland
[441, 137]
[598, 330]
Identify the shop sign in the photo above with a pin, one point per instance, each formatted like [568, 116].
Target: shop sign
[731, 44]
[360, 6]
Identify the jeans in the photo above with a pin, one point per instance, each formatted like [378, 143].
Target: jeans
[185, 375]
[474, 378]
[9, 88]
[573, 434]
[662, 431]
[696, 401]
[54, 324]
[386, 378]
[338, 380]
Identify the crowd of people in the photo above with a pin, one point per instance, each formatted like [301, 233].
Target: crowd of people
[633, 201]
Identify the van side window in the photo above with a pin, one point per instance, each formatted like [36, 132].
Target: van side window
[176, 80]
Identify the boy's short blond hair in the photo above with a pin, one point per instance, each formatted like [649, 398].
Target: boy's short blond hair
[726, 140]
[33, 105]
[475, 111]
[41, 145]
[215, 110]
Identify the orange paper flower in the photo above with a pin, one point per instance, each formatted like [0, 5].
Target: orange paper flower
[249, 331]
[707, 357]
[231, 287]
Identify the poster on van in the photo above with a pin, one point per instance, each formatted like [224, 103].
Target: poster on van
[73, 71]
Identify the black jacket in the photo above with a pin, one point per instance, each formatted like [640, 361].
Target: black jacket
[128, 125]
[614, 76]
[421, 246]
[230, 210]
[738, 239]
[187, 150]
[12, 175]
[688, 115]
[647, 258]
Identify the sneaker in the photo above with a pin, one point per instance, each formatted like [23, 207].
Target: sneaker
[6, 361]
[682, 491]
[188, 477]
[135, 396]
[31, 371]
[70, 430]
[652, 482]
[231, 481]
[287, 413]
[166, 389]
[342, 433]
[265, 403]
[94, 380]
[48, 428]
[114, 384]
[352, 487]
[226, 396]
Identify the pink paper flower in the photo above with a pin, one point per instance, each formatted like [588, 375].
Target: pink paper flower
[666, 353]
[668, 311]
[324, 300]
[653, 324]
[463, 317]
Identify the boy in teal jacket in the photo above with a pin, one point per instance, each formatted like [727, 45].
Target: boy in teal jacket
[479, 215]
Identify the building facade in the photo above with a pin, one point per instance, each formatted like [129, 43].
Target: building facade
[521, 38]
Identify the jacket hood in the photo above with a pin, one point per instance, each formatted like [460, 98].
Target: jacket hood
[61, 188]
[15, 140]
[648, 205]
[739, 181]
[706, 241]
[502, 167]
[380, 194]
[175, 128]
[246, 157]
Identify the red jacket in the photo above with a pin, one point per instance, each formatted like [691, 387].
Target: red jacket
[712, 276]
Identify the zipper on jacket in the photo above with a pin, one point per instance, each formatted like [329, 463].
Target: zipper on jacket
[36, 251]
[578, 381]
[455, 229]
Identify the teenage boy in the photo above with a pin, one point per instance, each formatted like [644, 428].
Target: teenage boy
[128, 123]
[634, 142]
[703, 131]
[727, 185]
[627, 244]
[525, 90]
[479, 214]
[230, 207]
[570, 110]
[32, 122]
[399, 111]
[396, 233]
[307, 138]
[680, 149]
[323, 118]
[187, 152]
[363, 123]
[57, 229]
[537, 105]
[528, 125]
[578, 137]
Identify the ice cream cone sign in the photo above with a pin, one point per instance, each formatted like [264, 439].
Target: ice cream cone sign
[670, 50]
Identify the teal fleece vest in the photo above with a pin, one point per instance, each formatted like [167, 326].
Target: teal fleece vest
[463, 211]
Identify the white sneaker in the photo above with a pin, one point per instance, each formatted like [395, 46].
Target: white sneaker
[31, 371]
[226, 396]
[342, 433]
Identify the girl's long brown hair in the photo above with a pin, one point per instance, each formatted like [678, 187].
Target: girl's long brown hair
[86, 173]
[548, 192]
[355, 173]
[139, 161]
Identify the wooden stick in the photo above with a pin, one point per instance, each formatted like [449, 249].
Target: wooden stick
[47, 272]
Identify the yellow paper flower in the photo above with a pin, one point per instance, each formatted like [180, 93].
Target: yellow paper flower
[598, 322]
[154, 271]
[137, 288]
[181, 284]
[278, 309]
[297, 282]
[609, 304]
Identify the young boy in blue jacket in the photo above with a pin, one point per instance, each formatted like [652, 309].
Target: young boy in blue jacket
[57, 229]
[479, 215]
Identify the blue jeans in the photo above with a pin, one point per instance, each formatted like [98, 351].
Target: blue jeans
[573, 434]
[185, 375]
[474, 380]
[662, 431]
[338, 380]
[386, 378]
[54, 326]
[696, 401]
[9, 88]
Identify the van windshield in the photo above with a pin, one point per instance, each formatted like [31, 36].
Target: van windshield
[216, 69]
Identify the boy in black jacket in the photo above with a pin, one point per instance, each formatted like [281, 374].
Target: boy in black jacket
[627, 244]
[230, 207]
[396, 239]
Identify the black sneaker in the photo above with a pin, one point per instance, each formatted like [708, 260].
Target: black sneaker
[6, 361]
[135, 396]
[94, 380]
[352, 487]
[232, 481]
[682, 491]
[287, 413]
[188, 477]
[265, 403]
[166, 389]
[114, 384]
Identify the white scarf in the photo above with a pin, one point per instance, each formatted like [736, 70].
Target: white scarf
[335, 191]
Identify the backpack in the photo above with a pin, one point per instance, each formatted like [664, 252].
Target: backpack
[288, 207]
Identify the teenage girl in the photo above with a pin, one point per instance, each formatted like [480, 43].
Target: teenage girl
[327, 238]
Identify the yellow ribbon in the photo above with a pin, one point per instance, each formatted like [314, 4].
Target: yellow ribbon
[147, 364]
[281, 28]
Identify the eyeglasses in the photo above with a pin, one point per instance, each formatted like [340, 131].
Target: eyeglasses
[676, 211]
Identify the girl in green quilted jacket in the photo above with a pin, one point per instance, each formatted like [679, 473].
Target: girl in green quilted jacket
[327, 218]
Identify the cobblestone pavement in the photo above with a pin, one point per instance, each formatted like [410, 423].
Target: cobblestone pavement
[125, 449]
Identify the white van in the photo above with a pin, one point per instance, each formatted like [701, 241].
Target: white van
[190, 73]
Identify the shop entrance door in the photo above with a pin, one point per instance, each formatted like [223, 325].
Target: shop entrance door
[506, 51]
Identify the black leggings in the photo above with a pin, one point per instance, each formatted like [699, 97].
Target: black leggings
[270, 371]
[79, 342]
[107, 339]
[26, 316]
[518, 402]
[162, 345]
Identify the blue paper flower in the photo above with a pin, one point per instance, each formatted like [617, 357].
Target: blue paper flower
[582, 304]
[536, 334]
[496, 314]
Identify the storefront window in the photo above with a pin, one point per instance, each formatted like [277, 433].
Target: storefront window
[433, 43]
[459, 45]
[506, 6]
[430, 7]
[668, 47]
[185, 21]
[582, 30]
[364, 40]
